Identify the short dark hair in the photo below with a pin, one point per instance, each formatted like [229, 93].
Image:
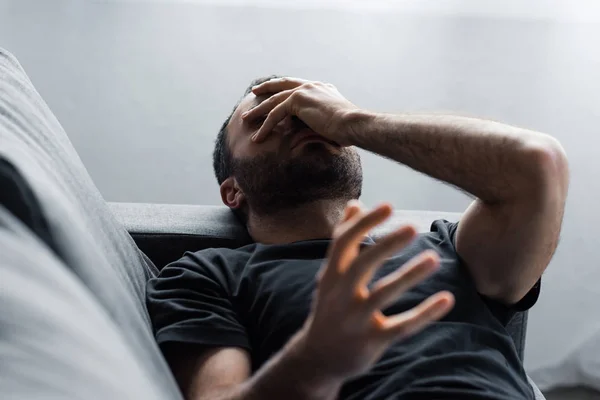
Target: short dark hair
[222, 156]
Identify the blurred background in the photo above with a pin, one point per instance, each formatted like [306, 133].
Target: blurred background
[141, 87]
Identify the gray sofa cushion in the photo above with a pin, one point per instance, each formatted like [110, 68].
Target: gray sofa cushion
[46, 186]
[16, 196]
[57, 341]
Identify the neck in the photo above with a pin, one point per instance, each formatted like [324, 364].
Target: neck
[314, 220]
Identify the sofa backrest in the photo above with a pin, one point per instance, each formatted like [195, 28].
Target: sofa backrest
[164, 231]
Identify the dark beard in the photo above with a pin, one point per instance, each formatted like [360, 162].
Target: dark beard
[271, 185]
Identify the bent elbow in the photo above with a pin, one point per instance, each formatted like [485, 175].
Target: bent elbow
[549, 163]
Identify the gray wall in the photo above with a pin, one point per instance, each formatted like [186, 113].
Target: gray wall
[142, 89]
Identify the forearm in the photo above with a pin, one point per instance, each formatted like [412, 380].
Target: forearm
[287, 375]
[492, 161]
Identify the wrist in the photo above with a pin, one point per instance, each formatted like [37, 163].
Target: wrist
[310, 372]
[358, 124]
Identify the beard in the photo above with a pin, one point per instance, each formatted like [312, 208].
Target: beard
[272, 185]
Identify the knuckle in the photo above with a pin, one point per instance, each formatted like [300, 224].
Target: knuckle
[295, 95]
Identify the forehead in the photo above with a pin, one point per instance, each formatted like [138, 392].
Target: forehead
[248, 101]
[236, 124]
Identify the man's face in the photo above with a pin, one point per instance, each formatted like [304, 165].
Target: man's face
[293, 166]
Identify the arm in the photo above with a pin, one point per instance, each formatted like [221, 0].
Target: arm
[206, 344]
[520, 178]
[344, 334]
[225, 374]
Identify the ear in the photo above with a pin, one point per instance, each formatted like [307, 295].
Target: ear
[231, 194]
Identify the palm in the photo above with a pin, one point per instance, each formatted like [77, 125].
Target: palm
[346, 331]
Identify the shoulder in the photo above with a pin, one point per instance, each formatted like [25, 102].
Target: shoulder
[219, 264]
[212, 257]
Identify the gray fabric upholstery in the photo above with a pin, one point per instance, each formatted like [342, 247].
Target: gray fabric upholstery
[165, 232]
[536, 391]
[57, 341]
[45, 184]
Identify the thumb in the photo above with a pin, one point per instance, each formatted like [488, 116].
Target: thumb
[352, 209]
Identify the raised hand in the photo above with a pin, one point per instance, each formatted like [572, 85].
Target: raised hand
[319, 105]
[346, 331]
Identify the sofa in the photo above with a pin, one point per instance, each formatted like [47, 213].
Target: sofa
[73, 268]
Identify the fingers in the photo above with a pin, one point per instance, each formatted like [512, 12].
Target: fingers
[410, 322]
[277, 85]
[276, 115]
[388, 289]
[352, 208]
[266, 106]
[349, 234]
[363, 267]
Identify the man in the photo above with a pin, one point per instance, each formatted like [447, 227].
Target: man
[315, 309]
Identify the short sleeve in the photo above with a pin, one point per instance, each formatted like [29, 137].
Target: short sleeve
[189, 302]
[502, 311]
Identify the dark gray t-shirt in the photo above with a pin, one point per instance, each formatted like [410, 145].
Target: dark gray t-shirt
[256, 297]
